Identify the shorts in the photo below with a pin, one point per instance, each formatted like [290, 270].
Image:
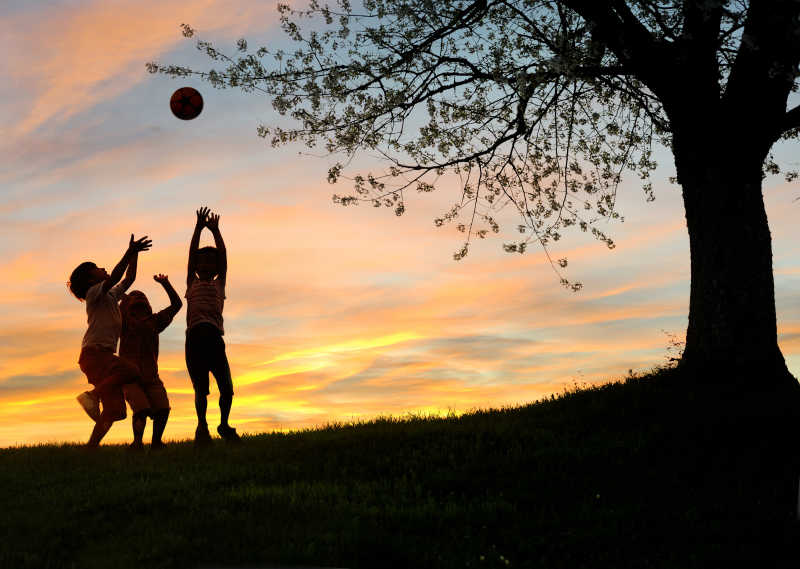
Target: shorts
[146, 395]
[205, 352]
[108, 373]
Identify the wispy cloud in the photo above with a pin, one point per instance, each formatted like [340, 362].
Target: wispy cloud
[70, 57]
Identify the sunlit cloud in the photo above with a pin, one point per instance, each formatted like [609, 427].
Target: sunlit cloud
[348, 346]
[75, 56]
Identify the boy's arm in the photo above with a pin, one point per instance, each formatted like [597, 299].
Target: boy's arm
[166, 315]
[175, 301]
[222, 255]
[195, 243]
[134, 247]
[130, 273]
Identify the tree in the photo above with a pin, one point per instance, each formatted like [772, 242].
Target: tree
[541, 105]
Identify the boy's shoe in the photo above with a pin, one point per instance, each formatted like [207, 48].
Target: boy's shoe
[90, 404]
[201, 436]
[228, 433]
[157, 446]
[136, 446]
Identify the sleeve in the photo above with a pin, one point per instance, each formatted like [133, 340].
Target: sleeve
[220, 288]
[163, 318]
[117, 291]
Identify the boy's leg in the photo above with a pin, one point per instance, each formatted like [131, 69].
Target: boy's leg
[200, 407]
[108, 374]
[140, 407]
[225, 402]
[159, 423]
[100, 429]
[222, 373]
[96, 364]
[159, 403]
[113, 410]
[201, 434]
[90, 402]
[139, 422]
[198, 367]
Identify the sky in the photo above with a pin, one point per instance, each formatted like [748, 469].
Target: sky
[332, 314]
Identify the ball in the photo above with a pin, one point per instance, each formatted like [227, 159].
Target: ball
[186, 103]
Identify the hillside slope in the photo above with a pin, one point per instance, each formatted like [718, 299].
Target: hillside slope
[646, 472]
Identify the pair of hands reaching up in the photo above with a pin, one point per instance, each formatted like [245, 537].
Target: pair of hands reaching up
[206, 218]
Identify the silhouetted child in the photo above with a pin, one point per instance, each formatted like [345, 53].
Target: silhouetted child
[104, 370]
[138, 345]
[205, 348]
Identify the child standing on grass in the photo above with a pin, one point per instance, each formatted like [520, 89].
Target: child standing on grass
[104, 370]
[138, 345]
[205, 348]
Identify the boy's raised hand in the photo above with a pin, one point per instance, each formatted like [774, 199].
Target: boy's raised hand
[202, 216]
[212, 222]
[138, 245]
[161, 278]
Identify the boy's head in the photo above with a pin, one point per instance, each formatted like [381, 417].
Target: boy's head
[206, 266]
[135, 305]
[84, 277]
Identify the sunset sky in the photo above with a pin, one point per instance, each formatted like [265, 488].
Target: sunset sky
[332, 313]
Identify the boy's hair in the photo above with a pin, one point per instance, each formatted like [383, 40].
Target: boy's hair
[127, 301]
[207, 250]
[79, 280]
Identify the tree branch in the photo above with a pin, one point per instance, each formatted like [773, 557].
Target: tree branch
[790, 120]
[764, 70]
[632, 43]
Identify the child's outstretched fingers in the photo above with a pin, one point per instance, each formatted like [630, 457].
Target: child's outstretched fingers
[160, 278]
[213, 220]
[202, 216]
[141, 244]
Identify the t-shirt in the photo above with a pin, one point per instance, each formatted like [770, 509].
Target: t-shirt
[205, 300]
[103, 316]
[139, 341]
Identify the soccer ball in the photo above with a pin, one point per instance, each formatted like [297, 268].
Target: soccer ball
[186, 103]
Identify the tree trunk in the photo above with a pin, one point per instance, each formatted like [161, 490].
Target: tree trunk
[732, 332]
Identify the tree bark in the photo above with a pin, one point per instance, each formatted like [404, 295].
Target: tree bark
[732, 331]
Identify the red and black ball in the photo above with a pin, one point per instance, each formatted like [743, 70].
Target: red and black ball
[186, 103]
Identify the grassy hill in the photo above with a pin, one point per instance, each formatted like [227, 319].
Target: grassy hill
[645, 472]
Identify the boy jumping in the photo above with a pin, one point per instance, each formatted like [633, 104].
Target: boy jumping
[205, 348]
[104, 370]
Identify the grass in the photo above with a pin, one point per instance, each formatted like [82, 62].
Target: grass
[645, 472]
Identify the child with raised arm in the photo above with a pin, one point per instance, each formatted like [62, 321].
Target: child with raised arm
[205, 348]
[138, 345]
[104, 370]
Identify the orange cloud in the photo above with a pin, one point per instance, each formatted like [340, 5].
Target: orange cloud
[77, 55]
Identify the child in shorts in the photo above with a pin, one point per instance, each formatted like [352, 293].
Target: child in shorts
[105, 370]
[205, 348]
[138, 345]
